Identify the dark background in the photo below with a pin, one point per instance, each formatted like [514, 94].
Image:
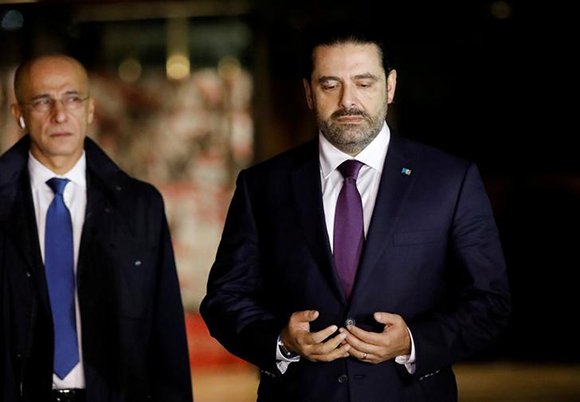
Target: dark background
[488, 81]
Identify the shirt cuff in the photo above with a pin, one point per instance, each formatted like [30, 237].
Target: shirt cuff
[282, 362]
[408, 360]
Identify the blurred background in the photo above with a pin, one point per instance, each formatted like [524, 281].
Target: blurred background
[190, 92]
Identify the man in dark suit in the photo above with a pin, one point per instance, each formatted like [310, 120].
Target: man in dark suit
[359, 266]
[89, 294]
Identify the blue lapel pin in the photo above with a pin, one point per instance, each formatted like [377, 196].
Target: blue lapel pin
[406, 171]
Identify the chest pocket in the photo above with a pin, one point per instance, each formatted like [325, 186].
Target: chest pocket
[135, 270]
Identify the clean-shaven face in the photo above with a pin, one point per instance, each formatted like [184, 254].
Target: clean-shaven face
[58, 131]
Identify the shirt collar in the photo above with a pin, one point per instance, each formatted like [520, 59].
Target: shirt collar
[40, 174]
[373, 155]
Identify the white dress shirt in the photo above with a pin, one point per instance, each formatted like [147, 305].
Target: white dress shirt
[367, 183]
[75, 198]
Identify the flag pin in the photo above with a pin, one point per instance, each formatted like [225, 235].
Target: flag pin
[406, 171]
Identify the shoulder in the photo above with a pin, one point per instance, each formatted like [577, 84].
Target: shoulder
[140, 189]
[14, 161]
[428, 159]
[128, 191]
[281, 165]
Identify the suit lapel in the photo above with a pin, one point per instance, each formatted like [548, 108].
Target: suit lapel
[393, 190]
[308, 199]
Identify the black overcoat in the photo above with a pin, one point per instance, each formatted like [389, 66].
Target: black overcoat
[133, 334]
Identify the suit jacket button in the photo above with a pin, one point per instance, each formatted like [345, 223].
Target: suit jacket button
[350, 321]
[342, 378]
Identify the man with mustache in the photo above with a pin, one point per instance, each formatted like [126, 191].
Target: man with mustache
[89, 295]
[361, 265]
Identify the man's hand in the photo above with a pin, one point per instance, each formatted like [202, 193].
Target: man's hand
[373, 347]
[298, 339]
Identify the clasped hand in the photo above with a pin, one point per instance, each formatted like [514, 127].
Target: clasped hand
[333, 343]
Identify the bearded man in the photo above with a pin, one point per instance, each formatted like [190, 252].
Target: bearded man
[361, 265]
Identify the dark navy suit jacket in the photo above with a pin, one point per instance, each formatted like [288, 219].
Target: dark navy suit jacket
[432, 255]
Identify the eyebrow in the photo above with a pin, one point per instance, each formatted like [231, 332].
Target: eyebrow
[365, 76]
[70, 92]
[326, 78]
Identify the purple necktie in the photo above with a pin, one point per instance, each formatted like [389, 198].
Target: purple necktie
[348, 226]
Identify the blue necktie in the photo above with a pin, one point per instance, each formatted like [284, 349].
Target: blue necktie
[59, 266]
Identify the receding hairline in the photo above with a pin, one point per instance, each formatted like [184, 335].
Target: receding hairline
[23, 70]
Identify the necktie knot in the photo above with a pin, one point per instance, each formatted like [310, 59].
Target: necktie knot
[350, 169]
[57, 185]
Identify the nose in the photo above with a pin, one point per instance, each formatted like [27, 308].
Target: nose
[58, 112]
[348, 97]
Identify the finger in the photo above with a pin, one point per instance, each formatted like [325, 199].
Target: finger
[387, 318]
[338, 353]
[372, 338]
[358, 344]
[362, 356]
[320, 336]
[329, 345]
[304, 316]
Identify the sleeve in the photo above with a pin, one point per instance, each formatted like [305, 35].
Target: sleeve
[479, 307]
[171, 370]
[408, 360]
[234, 308]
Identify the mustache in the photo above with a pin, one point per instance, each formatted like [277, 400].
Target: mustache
[349, 112]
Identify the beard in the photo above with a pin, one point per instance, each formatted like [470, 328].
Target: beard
[352, 138]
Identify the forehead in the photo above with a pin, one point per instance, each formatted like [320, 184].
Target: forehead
[54, 75]
[347, 59]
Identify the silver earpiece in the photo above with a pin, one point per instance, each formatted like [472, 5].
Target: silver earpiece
[21, 122]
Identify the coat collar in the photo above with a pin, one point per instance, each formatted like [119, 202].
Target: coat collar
[14, 161]
[106, 188]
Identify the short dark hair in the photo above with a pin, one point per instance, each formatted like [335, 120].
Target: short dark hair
[341, 33]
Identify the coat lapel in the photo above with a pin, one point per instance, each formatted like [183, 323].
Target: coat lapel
[393, 190]
[308, 200]
[16, 208]
[19, 225]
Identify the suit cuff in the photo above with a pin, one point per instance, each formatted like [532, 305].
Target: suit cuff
[408, 360]
[282, 362]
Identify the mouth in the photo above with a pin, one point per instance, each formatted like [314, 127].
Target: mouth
[60, 134]
[350, 119]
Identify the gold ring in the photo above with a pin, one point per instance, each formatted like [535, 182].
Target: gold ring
[364, 356]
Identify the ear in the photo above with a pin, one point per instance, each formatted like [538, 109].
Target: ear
[17, 113]
[308, 93]
[391, 86]
[91, 113]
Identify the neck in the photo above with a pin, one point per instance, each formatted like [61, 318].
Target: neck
[352, 148]
[58, 164]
